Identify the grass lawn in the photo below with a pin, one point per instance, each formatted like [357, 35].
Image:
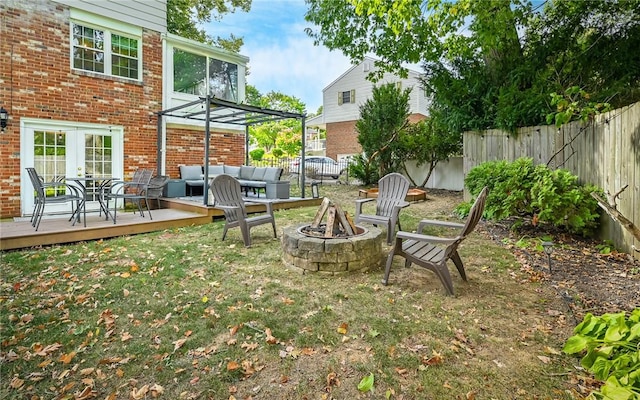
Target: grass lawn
[179, 314]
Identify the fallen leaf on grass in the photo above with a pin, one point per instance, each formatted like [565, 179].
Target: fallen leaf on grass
[308, 351]
[249, 346]
[435, 359]
[287, 301]
[401, 371]
[342, 329]
[87, 393]
[366, 384]
[66, 358]
[16, 383]
[544, 359]
[270, 338]
[232, 366]
[156, 390]
[138, 394]
[332, 380]
[550, 350]
[178, 343]
[125, 336]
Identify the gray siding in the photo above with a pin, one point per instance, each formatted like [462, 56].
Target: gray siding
[150, 14]
[356, 79]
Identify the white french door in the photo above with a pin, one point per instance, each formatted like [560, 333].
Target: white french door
[60, 150]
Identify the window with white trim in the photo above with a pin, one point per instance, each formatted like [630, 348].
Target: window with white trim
[198, 74]
[105, 52]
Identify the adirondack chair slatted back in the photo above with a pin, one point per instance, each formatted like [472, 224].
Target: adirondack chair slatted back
[472, 220]
[392, 189]
[227, 192]
[475, 213]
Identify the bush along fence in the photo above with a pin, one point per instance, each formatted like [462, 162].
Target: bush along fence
[604, 152]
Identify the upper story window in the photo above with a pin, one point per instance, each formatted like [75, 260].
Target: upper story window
[201, 75]
[346, 97]
[105, 52]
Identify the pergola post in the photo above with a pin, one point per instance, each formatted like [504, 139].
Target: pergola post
[246, 145]
[160, 150]
[304, 146]
[207, 140]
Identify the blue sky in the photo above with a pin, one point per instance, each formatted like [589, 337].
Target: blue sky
[282, 57]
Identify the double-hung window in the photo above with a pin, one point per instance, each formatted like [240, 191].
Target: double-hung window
[105, 51]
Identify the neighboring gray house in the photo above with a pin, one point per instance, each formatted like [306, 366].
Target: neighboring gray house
[342, 98]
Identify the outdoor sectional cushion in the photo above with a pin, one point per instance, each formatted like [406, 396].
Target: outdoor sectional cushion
[215, 170]
[192, 175]
[233, 171]
[258, 173]
[246, 172]
[272, 174]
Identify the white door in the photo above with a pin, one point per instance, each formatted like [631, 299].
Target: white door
[59, 151]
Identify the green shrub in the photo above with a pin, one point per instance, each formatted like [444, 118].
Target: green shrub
[558, 199]
[509, 186]
[611, 347]
[256, 154]
[518, 189]
[364, 170]
[277, 153]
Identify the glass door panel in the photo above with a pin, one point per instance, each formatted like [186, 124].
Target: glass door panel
[72, 152]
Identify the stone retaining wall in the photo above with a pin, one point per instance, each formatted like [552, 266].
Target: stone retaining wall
[309, 254]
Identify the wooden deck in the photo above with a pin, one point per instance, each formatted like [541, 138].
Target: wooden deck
[173, 214]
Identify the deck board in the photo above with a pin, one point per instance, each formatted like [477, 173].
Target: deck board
[174, 214]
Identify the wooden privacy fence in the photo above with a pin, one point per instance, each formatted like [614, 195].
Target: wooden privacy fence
[605, 152]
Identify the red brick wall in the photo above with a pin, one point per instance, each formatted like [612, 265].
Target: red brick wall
[342, 137]
[36, 81]
[186, 147]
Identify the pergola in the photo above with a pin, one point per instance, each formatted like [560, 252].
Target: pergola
[214, 110]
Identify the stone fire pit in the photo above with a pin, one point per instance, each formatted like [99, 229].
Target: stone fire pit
[306, 254]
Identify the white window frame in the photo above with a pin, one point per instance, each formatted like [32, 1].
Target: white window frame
[207, 79]
[109, 28]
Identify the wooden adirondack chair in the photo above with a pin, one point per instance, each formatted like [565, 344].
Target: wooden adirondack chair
[433, 252]
[227, 195]
[392, 190]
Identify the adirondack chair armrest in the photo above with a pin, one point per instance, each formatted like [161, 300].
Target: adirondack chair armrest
[424, 238]
[227, 207]
[359, 204]
[401, 205]
[442, 224]
[267, 203]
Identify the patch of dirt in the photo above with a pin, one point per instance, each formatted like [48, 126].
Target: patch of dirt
[586, 279]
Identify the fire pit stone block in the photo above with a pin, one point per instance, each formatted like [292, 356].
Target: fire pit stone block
[334, 256]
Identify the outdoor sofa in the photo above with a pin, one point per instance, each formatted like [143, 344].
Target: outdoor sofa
[250, 178]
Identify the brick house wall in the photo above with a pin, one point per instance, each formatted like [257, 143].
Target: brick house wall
[342, 137]
[36, 81]
[186, 147]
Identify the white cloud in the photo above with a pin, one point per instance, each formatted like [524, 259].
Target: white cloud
[282, 56]
[295, 67]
